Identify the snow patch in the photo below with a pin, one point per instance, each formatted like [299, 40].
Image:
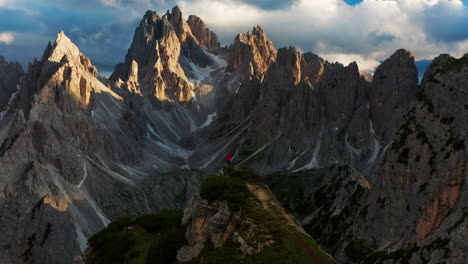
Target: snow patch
[200, 73]
[225, 145]
[375, 152]
[371, 127]
[96, 208]
[217, 59]
[209, 120]
[376, 144]
[313, 163]
[293, 162]
[150, 128]
[81, 238]
[85, 175]
[261, 149]
[13, 96]
[351, 148]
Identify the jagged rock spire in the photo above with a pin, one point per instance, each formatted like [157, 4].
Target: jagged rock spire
[251, 52]
[206, 38]
[10, 75]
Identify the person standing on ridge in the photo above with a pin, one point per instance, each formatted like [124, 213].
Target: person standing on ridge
[228, 159]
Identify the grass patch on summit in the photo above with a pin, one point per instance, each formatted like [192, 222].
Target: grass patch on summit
[153, 238]
[264, 225]
[224, 188]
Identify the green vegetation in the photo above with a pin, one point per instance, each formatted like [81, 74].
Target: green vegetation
[327, 227]
[154, 223]
[459, 221]
[456, 65]
[403, 133]
[423, 187]
[283, 243]
[358, 251]
[403, 156]
[153, 238]
[447, 120]
[273, 235]
[422, 97]
[224, 188]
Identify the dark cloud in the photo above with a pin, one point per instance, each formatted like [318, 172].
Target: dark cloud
[377, 39]
[17, 20]
[270, 4]
[442, 24]
[103, 29]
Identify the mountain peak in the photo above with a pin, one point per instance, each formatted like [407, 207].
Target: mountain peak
[253, 49]
[176, 10]
[179, 25]
[174, 14]
[63, 46]
[205, 37]
[402, 53]
[150, 17]
[258, 31]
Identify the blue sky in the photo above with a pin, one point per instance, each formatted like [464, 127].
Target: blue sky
[353, 2]
[366, 31]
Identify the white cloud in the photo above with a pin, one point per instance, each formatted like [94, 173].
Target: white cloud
[6, 37]
[368, 33]
[109, 2]
[364, 63]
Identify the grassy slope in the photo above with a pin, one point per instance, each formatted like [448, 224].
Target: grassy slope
[265, 221]
[151, 238]
[265, 224]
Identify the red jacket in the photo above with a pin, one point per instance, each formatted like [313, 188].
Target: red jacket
[228, 157]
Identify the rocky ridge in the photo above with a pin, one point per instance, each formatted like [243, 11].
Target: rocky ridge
[249, 229]
[252, 228]
[301, 105]
[68, 143]
[415, 211]
[251, 53]
[165, 57]
[77, 152]
[206, 38]
[10, 75]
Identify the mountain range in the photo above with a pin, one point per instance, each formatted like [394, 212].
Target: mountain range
[373, 166]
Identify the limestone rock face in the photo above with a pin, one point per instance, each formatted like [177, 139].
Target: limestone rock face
[323, 112]
[10, 75]
[417, 202]
[155, 49]
[214, 222]
[393, 86]
[339, 90]
[65, 132]
[285, 100]
[427, 161]
[252, 53]
[179, 25]
[206, 38]
[75, 152]
[166, 57]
